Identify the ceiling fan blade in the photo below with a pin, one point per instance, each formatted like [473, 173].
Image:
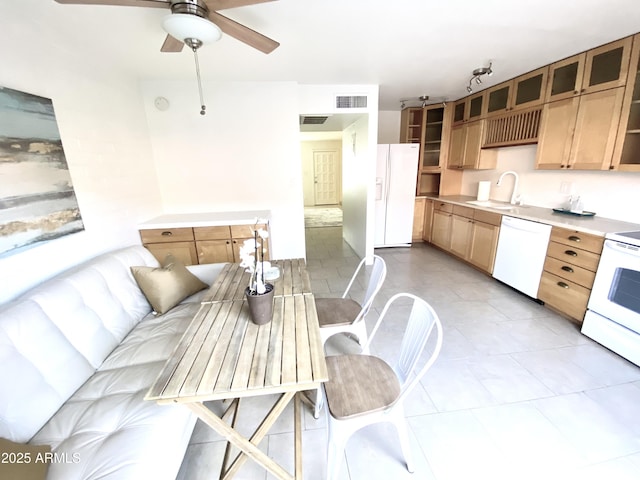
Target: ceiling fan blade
[171, 45]
[120, 3]
[215, 5]
[244, 34]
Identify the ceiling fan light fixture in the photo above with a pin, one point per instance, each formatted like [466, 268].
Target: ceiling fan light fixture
[186, 26]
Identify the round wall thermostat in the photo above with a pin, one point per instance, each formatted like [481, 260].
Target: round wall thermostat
[161, 104]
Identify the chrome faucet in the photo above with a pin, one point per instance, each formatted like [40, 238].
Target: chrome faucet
[515, 184]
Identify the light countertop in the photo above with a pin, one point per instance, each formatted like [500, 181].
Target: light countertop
[595, 225]
[206, 219]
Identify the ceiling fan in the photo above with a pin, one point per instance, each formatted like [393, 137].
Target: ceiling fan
[203, 11]
[195, 23]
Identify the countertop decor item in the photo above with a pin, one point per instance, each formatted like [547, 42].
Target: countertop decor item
[259, 294]
[584, 213]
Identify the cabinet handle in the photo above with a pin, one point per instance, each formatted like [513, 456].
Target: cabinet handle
[567, 269]
[166, 234]
[563, 285]
[573, 238]
[571, 253]
[228, 242]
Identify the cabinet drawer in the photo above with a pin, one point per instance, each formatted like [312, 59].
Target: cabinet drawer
[584, 241]
[565, 296]
[570, 272]
[164, 235]
[443, 207]
[487, 217]
[573, 255]
[246, 231]
[466, 212]
[212, 233]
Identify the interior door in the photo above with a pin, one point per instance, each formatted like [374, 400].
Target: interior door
[325, 177]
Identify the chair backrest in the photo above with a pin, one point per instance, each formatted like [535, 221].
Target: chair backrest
[423, 322]
[376, 279]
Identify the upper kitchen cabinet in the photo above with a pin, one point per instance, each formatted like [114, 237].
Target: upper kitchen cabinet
[592, 71]
[626, 155]
[469, 108]
[579, 133]
[411, 125]
[465, 148]
[522, 92]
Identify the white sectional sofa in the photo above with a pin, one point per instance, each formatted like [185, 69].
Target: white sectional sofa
[77, 355]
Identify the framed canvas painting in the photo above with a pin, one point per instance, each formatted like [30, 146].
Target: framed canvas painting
[37, 201]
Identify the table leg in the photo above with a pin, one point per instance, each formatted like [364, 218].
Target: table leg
[297, 413]
[249, 448]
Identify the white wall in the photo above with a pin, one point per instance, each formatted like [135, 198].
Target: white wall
[244, 154]
[389, 126]
[609, 194]
[104, 133]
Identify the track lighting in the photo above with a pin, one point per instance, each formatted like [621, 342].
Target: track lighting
[476, 74]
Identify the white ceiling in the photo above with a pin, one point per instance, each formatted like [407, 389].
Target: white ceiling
[408, 47]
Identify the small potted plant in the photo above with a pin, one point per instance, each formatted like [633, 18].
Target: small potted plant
[259, 293]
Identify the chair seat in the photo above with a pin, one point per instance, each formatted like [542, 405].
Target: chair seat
[359, 384]
[337, 311]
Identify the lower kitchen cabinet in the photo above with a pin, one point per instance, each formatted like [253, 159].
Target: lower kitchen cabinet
[199, 245]
[428, 220]
[418, 219]
[569, 271]
[468, 233]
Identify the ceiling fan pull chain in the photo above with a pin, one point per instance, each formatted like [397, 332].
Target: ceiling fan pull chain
[202, 105]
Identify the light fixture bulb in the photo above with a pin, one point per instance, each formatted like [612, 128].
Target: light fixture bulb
[469, 89]
[187, 26]
[478, 80]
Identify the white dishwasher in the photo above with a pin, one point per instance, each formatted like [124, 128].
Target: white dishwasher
[522, 248]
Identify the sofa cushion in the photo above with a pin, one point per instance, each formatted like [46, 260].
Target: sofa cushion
[168, 285]
[22, 461]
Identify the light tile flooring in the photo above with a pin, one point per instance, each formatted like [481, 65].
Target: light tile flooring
[517, 392]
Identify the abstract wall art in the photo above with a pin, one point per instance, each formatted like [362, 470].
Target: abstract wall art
[37, 200]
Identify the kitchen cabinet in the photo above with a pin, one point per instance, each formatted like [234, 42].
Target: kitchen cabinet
[470, 234]
[626, 154]
[595, 70]
[194, 245]
[469, 108]
[569, 270]
[425, 126]
[441, 226]
[525, 91]
[465, 149]
[580, 132]
[418, 219]
[428, 220]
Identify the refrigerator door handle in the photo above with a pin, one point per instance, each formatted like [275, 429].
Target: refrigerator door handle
[378, 188]
[386, 190]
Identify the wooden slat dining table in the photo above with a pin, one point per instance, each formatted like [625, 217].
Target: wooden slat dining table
[223, 355]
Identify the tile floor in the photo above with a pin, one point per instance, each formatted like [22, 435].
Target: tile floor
[517, 392]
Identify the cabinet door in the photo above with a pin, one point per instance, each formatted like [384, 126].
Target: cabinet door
[472, 146]
[475, 106]
[595, 130]
[215, 251]
[460, 111]
[456, 149]
[236, 244]
[431, 143]
[529, 89]
[441, 230]
[183, 251]
[428, 220]
[556, 133]
[484, 242]
[499, 98]
[411, 125]
[460, 235]
[418, 220]
[607, 66]
[565, 78]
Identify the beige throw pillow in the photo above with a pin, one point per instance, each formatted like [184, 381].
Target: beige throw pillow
[168, 285]
[23, 461]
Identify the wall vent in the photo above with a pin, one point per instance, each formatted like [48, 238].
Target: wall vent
[314, 120]
[353, 101]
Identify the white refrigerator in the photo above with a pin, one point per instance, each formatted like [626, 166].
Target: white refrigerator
[395, 191]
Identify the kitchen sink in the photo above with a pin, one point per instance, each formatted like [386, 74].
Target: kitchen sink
[492, 204]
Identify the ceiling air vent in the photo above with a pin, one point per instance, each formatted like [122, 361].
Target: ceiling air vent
[316, 120]
[354, 101]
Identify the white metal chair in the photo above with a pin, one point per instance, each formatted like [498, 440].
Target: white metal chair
[364, 389]
[345, 315]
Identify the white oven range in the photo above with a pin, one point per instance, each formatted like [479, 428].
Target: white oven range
[613, 312]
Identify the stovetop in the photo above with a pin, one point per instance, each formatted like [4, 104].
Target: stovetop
[626, 237]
